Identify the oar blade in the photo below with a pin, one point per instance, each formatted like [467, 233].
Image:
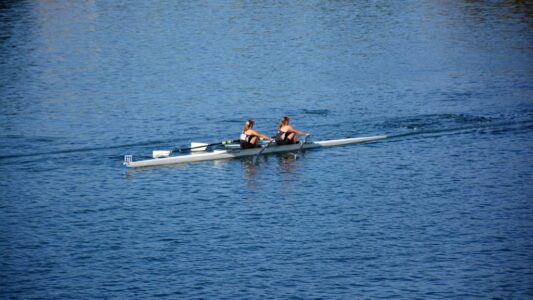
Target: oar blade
[198, 146]
[161, 153]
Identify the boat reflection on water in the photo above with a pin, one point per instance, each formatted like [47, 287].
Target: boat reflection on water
[249, 167]
[262, 174]
[285, 163]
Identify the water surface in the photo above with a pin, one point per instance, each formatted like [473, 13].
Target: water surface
[440, 209]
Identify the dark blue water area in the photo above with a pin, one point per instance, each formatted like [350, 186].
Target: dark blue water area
[442, 208]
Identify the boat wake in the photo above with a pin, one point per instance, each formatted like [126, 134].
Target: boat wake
[82, 150]
[446, 124]
[422, 126]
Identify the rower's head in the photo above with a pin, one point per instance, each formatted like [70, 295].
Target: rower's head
[248, 125]
[284, 121]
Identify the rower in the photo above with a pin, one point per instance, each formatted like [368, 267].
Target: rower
[286, 133]
[250, 137]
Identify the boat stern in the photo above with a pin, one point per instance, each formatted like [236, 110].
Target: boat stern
[128, 159]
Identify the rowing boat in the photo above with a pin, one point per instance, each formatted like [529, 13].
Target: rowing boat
[234, 153]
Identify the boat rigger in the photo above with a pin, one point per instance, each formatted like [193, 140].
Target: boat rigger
[230, 152]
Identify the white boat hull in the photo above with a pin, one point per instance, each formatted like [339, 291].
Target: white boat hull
[225, 154]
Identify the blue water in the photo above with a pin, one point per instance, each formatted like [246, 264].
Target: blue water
[441, 209]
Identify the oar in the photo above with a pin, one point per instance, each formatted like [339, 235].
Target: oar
[263, 149]
[227, 142]
[301, 146]
[167, 153]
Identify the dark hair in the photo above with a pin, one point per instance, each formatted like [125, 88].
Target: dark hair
[249, 124]
[284, 121]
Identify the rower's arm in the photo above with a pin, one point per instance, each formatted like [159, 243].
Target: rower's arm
[297, 131]
[260, 135]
